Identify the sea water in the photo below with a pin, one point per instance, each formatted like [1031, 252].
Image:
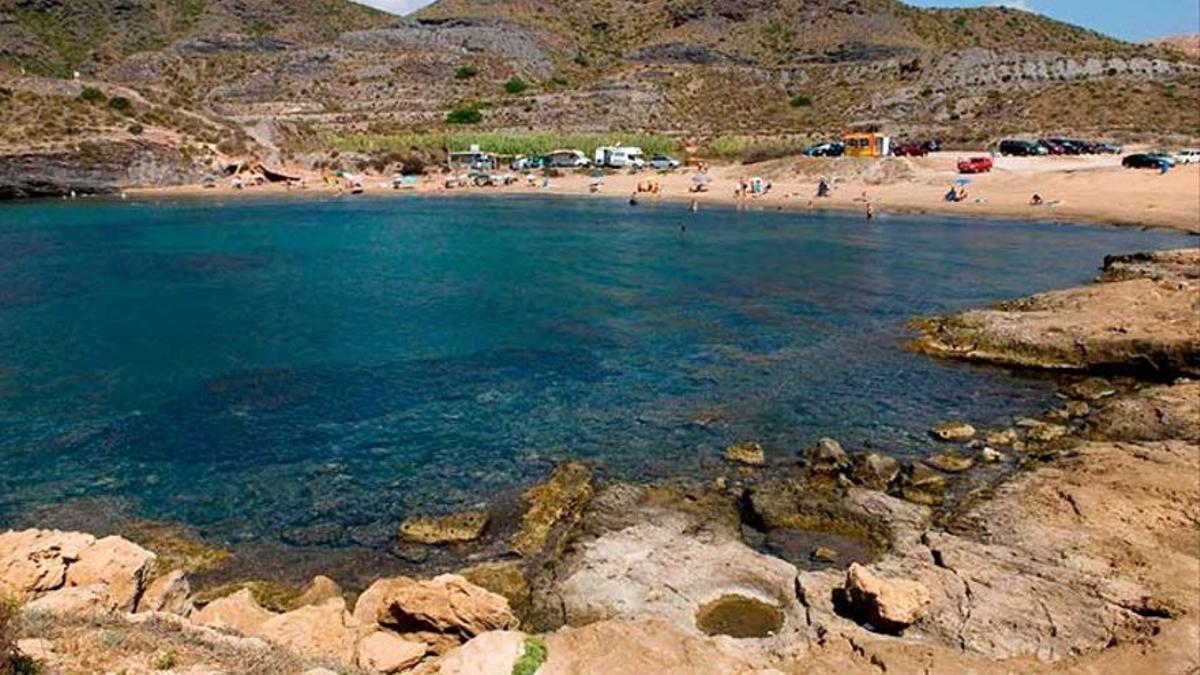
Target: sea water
[256, 367]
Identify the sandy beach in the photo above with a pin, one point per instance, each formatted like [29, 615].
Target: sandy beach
[1083, 189]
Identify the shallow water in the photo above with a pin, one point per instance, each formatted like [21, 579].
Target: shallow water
[257, 366]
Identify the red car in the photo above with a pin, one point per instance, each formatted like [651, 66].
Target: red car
[975, 165]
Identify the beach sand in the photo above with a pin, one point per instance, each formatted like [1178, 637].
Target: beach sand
[1086, 189]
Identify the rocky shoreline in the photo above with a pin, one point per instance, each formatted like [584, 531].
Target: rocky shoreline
[1074, 545]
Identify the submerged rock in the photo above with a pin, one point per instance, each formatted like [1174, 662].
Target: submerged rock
[826, 457]
[455, 528]
[505, 578]
[750, 453]
[824, 554]
[953, 431]
[1093, 389]
[952, 462]
[922, 485]
[1002, 438]
[875, 470]
[553, 505]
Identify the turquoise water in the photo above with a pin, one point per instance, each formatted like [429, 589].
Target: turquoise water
[258, 367]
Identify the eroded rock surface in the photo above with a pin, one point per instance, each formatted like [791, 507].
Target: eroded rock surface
[1144, 323]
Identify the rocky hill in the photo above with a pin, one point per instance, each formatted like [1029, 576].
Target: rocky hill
[1187, 44]
[304, 75]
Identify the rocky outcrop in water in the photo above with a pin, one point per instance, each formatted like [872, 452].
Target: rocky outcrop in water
[1144, 323]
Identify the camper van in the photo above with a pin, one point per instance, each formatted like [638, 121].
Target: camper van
[618, 157]
[475, 159]
[567, 159]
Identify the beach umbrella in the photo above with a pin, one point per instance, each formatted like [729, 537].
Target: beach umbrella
[963, 181]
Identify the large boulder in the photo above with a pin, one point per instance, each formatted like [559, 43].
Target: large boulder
[492, 653]
[121, 566]
[887, 605]
[239, 612]
[73, 601]
[167, 593]
[447, 605]
[321, 631]
[35, 561]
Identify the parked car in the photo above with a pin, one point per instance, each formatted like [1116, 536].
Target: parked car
[909, 149]
[975, 164]
[1108, 148]
[528, 162]
[1146, 160]
[835, 149]
[1069, 146]
[1051, 147]
[1018, 148]
[1188, 156]
[663, 163]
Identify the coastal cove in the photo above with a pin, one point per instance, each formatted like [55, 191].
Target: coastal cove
[313, 371]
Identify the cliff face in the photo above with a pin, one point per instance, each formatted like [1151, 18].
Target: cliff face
[95, 168]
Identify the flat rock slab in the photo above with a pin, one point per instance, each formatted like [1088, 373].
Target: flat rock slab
[1139, 325]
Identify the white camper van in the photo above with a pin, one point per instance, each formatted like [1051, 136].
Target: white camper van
[619, 157]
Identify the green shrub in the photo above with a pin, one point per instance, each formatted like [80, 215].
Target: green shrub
[801, 102]
[464, 116]
[466, 72]
[581, 59]
[120, 104]
[91, 95]
[515, 86]
[532, 658]
[558, 80]
[135, 129]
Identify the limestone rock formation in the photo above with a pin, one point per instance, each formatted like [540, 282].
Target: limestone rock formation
[239, 612]
[385, 652]
[323, 631]
[448, 606]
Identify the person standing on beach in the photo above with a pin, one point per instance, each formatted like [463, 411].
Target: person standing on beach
[870, 211]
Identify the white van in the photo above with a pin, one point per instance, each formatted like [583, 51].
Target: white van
[620, 157]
